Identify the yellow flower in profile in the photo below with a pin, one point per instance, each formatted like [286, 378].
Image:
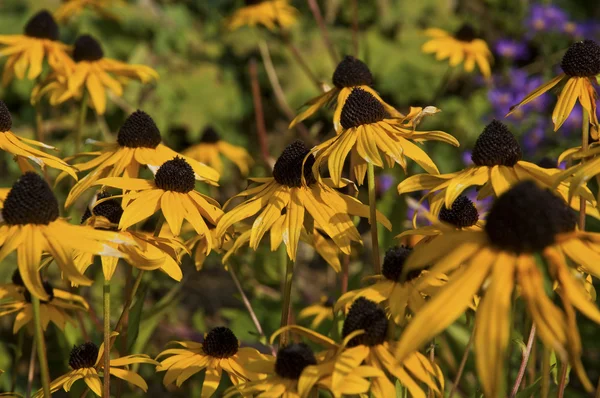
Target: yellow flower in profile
[321, 311]
[580, 65]
[272, 14]
[92, 73]
[30, 226]
[23, 152]
[284, 199]
[15, 298]
[576, 177]
[29, 50]
[211, 147]
[85, 363]
[368, 129]
[463, 46]
[72, 8]
[219, 352]
[526, 223]
[350, 73]
[138, 144]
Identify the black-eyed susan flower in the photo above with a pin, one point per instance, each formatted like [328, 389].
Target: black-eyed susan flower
[91, 72]
[368, 128]
[73, 8]
[85, 364]
[15, 298]
[138, 144]
[30, 226]
[26, 53]
[285, 201]
[321, 311]
[350, 73]
[463, 46]
[497, 165]
[219, 352]
[23, 151]
[211, 147]
[577, 176]
[272, 14]
[402, 295]
[580, 65]
[525, 224]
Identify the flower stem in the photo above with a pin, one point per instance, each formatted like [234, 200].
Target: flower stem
[316, 11]
[287, 302]
[107, 342]
[463, 362]
[261, 129]
[523, 367]
[545, 389]
[39, 122]
[41, 346]
[31, 371]
[585, 134]
[373, 217]
[81, 122]
[562, 382]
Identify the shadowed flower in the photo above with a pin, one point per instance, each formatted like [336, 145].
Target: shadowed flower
[272, 14]
[321, 311]
[220, 351]
[73, 8]
[28, 51]
[525, 223]
[462, 46]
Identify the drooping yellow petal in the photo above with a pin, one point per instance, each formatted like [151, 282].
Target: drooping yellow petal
[537, 92]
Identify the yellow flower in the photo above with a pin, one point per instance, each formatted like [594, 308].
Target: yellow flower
[272, 14]
[138, 144]
[285, 199]
[350, 73]
[14, 297]
[462, 46]
[28, 51]
[323, 310]
[219, 352]
[525, 223]
[368, 129]
[211, 146]
[72, 8]
[23, 152]
[85, 362]
[31, 226]
[91, 72]
[576, 177]
[580, 65]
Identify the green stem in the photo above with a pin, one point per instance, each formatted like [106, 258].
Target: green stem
[562, 379]
[107, 342]
[81, 122]
[287, 302]
[545, 373]
[585, 134]
[463, 362]
[39, 120]
[373, 217]
[41, 346]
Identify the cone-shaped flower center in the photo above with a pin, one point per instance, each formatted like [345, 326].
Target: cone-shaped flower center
[220, 343]
[582, 59]
[393, 263]
[292, 359]
[83, 356]
[288, 168]
[209, 135]
[365, 315]
[42, 26]
[139, 131]
[352, 72]
[110, 209]
[496, 146]
[252, 2]
[47, 288]
[463, 213]
[361, 107]
[30, 201]
[175, 175]
[465, 33]
[5, 118]
[527, 218]
[86, 48]
[16, 278]
[329, 302]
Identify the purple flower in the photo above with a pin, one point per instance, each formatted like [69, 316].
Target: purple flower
[512, 49]
[533, 138]
[384, 183]
[511, 89]
[482, 205]
[543, 18]
[573, 122]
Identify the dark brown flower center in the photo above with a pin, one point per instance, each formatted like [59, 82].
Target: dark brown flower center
[466, 33]
[582, 59]
[209, 135]
[5, 118]
[42, 26]
[47, 288]
[361, 107]
[220, 343]
[139, 131]
[86, 48]
[288, 168]
[175, 175]
[365, 315]
[83, 356]
[393, 263]
[352, 72]
[30, 201]
[496, 146]
[110, 209]
[461, 214]
[292, 359]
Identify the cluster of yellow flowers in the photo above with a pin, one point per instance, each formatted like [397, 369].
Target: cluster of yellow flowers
[460, 262]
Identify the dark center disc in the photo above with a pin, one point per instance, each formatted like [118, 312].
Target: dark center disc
[209, 135]
[220, 343]
[5, 118]
[352, 72]
[360, 108]
[86, 48]
[365, 315]
[83, 356]
[496, 146]
[393, 264]
[461, 214]
[582, 59]
[30, 201]
[292, 359]
[466, 33]
[42, 26]
[139, 131]
[288, 169]
[175, 175]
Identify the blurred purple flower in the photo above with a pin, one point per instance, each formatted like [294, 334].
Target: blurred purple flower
[466, 158]
[533, 138]
[573, 122]
[384, 183]
[546, 17]
[482, 205]
[512, 49]
[509, 90]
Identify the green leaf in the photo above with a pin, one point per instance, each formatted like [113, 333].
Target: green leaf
[531, 390]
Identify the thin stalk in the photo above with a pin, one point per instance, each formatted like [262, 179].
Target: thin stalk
[31, 372]
[430, 393]
[316, 11]
[18, 355]
[585, 134]
[462, 365]
[287, 302]
[300, 60]
[373, 217]
[81, 122]
[41, 346]
[562, 382]
[545, 390]
[345, 273]
[107, 342]
[523, 367]
[127, 305]
[39, 122]
[261, 129]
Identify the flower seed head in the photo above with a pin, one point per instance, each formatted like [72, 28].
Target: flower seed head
[496, 146]
[175, 175]
[16, 278]
[361, 107]
[466, 33]
[461, 214]
[527, 218]
[393, 264]
[139, 131]
[47, 288]
[83, 356]
[30, 201]
[292, 359]
[366, 315]
[352, 72]
[288, 168]
[110, 209]
[220, 343]
[210, 135]
[582, 59]
[42, 26]
[86, 48]
[5, 118]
